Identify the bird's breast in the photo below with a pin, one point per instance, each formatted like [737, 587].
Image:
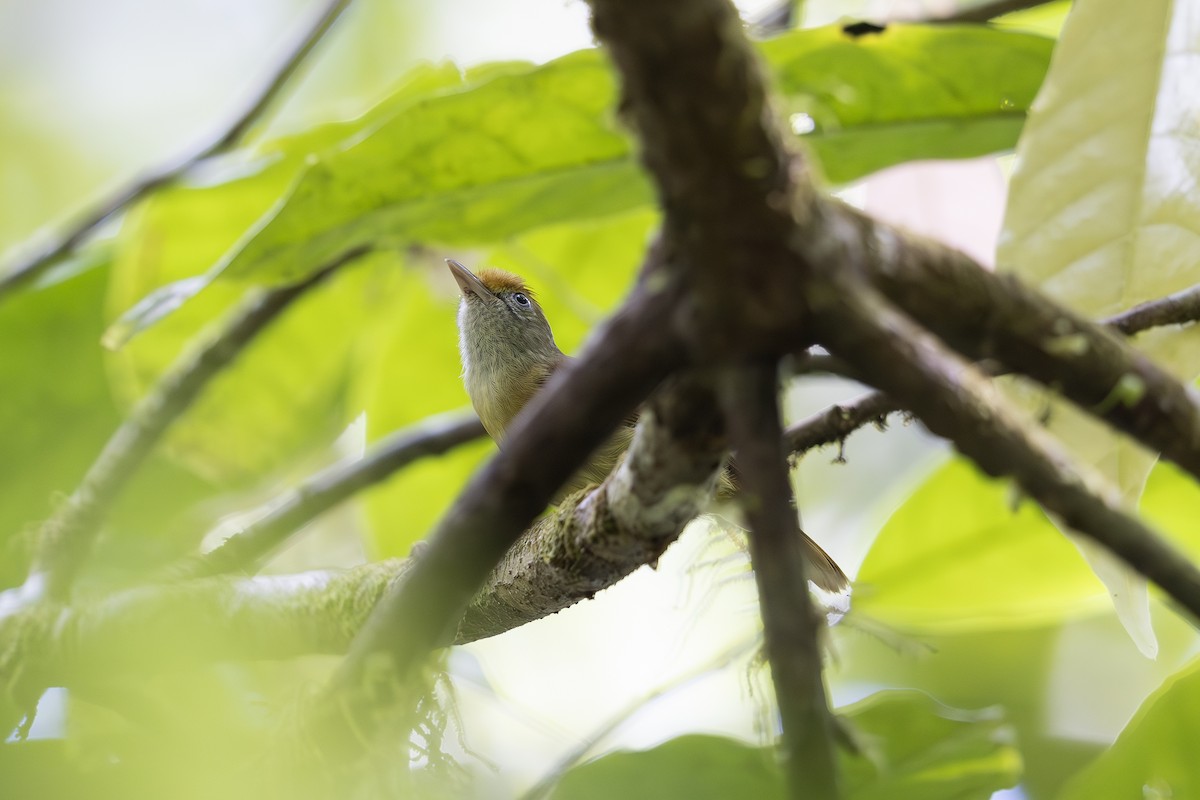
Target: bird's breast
[499, 395]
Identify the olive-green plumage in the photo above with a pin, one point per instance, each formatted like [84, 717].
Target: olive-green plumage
[508, 354]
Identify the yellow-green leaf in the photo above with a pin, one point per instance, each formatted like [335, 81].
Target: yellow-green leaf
[1104, 214]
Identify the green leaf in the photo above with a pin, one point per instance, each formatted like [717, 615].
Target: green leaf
[519, 147]
[530, 149]
[469, 167]
[1169, 502]
[692, 767]
[421, 81]
[285, 392]
[914, 748]
[909, 92]
[956, 556]
[472, 164]
[55, 409]
[1102, 213]
[1046, 18]
[1155, 756]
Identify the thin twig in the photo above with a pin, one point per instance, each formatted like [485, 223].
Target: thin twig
[985, 12]
[1180, 308]
[27, 269]
[837, 422]
[782, 17]
[66, 538]
[245, 551]
[790, 622]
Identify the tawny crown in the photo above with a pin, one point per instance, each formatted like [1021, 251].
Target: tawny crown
[497, 280]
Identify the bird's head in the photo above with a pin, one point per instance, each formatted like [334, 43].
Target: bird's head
[500, 324]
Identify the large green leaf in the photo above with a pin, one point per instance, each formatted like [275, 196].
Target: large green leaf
[957, 556]
[539, 147]
[468, 167]
[478, 160]
[913, 749]
[1155, 756]
[518, 147]
[909, 92]
[284, 392]
[56, 413]
[1104, 214]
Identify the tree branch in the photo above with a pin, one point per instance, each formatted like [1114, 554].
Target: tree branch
[244, 551]
[953, 399]
[595, 539]
[693, 92]
[66, 538]
[985, 315]
[837, 422]
[592, 540]
[791, 624]
[25, 270]
[192, 623]
[1180, 308]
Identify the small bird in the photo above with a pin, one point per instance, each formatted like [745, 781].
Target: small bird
[508, 354]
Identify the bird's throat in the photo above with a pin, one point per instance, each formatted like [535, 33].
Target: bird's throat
[500, 382]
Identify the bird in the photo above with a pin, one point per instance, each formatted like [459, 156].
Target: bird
[508, 354]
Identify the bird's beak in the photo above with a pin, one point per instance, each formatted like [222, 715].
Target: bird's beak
[467, 280]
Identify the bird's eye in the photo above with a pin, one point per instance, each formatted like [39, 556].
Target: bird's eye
[521, 300]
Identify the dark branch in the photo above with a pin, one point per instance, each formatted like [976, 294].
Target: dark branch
[953, 399]
[693, 92]
[985, 315]
[837, 422]
[594, 540]
[31, 266]
[66, 538]
[790, 622]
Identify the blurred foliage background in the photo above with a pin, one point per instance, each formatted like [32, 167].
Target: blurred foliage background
[980, 658]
